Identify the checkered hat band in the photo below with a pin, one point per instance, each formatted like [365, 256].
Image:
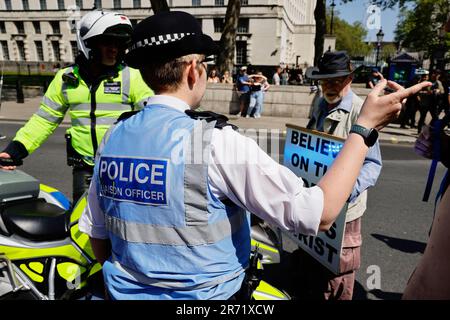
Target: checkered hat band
[160, 40]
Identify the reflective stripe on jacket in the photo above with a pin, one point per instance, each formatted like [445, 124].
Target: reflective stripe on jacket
[92, 110]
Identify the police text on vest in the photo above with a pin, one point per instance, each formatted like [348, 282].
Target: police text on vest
[138, 180]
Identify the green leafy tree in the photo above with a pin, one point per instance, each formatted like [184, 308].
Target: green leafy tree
[388, 51]
[422, 29]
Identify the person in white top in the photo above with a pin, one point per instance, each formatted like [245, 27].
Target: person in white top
[237, 169]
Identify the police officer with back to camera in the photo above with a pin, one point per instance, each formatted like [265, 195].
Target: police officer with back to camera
[166, 214]
[95, 91]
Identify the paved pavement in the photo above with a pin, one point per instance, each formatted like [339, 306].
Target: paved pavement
[12, 111]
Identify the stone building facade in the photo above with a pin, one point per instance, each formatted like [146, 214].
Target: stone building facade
[270, 32]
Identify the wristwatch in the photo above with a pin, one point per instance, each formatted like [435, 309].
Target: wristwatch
[370, 135]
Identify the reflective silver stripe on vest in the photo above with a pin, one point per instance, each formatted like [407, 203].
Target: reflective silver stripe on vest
[101, 107]
[65, 85]
[171, 284]
[196, 173]
[174, 236]
[53, 105]
[87, 121]
[125, 85]
[49, 117]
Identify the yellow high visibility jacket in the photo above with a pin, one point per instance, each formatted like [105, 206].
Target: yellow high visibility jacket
[92, 109]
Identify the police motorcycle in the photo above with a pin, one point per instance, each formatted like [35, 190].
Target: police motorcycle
[44, 256]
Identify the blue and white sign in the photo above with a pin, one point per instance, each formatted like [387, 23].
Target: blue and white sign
[138, 180]
[309, 154]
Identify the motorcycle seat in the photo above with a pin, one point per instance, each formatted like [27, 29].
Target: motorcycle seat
[35, 220]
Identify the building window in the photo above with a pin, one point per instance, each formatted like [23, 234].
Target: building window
[37, 27]
[39, 50]
[98, 4]
[117, 4]
[43, 4]
[196, 3]
[55, 27]
[219, 2]
[21, 47]
[79, 4]
[26, 5]
[241, 52]
[244, 2]
[56, 51]
[73, 45]
[5, 50]
[20, 27]
[61, 5]
[2, 27]
[218, 25]
[136, 4]
[8, 5]
[243, 25]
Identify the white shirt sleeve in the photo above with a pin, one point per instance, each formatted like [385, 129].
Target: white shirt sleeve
[242, 172]
[92, 220]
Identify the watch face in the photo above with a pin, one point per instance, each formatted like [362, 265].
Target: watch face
[372, 137]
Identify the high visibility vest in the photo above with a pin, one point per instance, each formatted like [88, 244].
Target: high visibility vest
[92, 109]
[171, 237]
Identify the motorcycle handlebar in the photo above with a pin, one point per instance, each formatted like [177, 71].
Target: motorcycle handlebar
[6, 162]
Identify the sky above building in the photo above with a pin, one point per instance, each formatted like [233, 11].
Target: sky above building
[370, 16]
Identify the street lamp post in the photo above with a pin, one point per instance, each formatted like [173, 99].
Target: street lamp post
[380, 36]
[332, 5]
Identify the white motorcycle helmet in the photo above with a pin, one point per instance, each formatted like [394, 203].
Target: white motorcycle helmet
[96, 24]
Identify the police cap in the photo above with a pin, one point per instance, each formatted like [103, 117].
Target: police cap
[165, 36]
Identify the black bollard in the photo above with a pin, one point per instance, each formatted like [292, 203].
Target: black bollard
[19, 91]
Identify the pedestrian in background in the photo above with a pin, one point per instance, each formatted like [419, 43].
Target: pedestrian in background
[426, 104]
[243, 88]
[227, 78]
[259, 85]
[276, 79]
[213, 77]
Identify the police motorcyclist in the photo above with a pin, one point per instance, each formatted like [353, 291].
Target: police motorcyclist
[95, 91]
[166, 212]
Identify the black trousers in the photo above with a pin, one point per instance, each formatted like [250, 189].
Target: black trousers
[81, 181]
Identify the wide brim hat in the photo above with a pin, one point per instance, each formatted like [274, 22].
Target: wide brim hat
[332, 65]
[166, 36]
